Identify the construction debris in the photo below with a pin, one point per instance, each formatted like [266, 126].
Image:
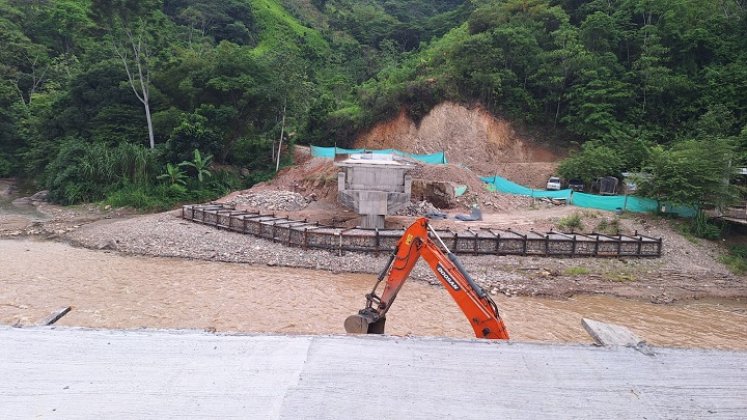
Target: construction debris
[271, 200]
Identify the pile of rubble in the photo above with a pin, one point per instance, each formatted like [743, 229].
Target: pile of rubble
[34, 200]
[420, 208]
[270, 200]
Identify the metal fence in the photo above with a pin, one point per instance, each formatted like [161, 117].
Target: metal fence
[474, 241]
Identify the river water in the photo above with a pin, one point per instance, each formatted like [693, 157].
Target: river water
[108, 290]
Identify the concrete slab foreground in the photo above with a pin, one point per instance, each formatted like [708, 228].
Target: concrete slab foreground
[73, 373]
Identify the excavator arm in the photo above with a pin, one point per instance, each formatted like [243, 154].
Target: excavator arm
[476, 305]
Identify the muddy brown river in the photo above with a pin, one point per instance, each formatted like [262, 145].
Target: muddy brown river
[108, 290]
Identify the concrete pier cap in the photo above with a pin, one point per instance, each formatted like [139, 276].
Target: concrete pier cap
[374, 185]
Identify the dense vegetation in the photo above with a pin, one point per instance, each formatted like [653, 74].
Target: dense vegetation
[111, 98]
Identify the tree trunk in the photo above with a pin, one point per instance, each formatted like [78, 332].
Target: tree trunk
[280, 146]
[142, 92]
[151, 137]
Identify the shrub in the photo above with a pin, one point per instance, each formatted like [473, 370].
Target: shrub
[156, 197]
[6, 168]
[702, 228]
[82, 171]
[609, 227]
[570, 223]
[736, 259]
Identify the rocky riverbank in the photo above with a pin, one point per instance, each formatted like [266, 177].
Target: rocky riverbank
[686, 270]
[662, 280]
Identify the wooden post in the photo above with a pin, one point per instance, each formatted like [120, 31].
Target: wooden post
[573, 246]
[640, 245]
[658, 248]
[619, 245]
[54, 316]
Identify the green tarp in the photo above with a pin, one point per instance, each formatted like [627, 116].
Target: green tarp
[506, 186]
[602, 202]
[330, 152]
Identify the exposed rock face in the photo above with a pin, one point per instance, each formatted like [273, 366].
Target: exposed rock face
[440, 193]
[470, 136]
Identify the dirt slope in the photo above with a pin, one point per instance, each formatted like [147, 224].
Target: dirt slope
[469, 136]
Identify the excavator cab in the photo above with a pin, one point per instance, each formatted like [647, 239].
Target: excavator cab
[477, 306]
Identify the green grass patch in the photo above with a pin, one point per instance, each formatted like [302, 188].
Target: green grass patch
[570, 223]
[576, 271]
[608, 227]
[684, 230]
[278, 27]
[736, 259]
[159, 197]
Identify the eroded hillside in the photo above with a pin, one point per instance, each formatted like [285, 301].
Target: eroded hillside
[472, 137]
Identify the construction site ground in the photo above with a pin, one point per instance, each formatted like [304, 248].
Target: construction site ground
[688, 269]
[307, 190]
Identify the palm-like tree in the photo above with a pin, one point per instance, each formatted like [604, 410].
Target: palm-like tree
[200, 165]
[174, 174]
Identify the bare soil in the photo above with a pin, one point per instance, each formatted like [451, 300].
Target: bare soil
[471, 137]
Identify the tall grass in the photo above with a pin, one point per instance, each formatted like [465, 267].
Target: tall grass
[88, 171]
[126, 176]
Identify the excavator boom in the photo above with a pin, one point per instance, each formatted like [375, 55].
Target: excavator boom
[476, 305]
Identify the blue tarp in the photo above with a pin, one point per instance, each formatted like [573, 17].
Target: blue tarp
[601, 202]
[330, 152]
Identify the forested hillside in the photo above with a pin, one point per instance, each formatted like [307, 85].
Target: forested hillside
[105, 99]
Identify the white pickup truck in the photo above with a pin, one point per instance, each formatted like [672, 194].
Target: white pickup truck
[553, 183]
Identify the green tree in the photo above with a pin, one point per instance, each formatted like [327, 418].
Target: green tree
[693, 172]
[130, 25]
[593, 161]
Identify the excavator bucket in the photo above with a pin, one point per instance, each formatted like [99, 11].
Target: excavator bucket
[360, 324]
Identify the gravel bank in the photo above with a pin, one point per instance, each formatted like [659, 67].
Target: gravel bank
[685, 271]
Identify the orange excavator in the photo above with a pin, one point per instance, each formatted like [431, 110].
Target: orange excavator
[476, 305]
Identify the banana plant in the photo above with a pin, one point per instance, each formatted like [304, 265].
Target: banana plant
[200, 165]
[174, 175]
